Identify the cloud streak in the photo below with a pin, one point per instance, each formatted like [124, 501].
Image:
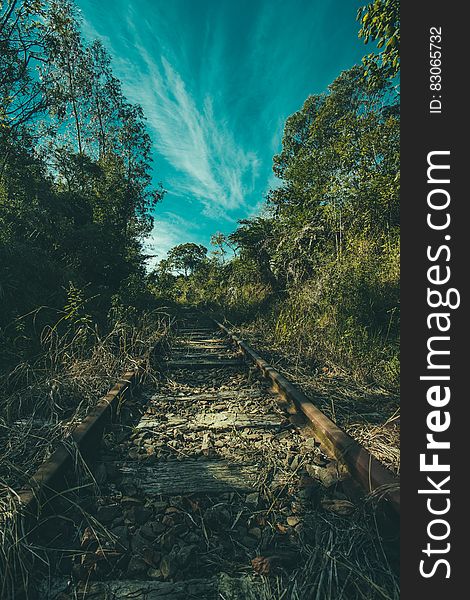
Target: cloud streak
[216, 80]
[209, 165]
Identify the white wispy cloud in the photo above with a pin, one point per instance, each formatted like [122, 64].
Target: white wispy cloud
[201, 148]
[195, 138]
[216, 89]
[163, 236]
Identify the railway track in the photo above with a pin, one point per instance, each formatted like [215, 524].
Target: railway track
[212, 486]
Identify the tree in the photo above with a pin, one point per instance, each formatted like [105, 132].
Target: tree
[106, 100]
[219, 241]
[340, 173]
[187, 257]
[253, 240]
[75, 182]
[66, 75]
[21, 47]
[297, 134]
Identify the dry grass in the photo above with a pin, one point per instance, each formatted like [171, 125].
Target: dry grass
[341, 559]
[41, 400]
[369, 413]
[381, 440]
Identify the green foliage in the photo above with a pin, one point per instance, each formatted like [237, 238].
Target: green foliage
[348, 315]
[380, 23]
[75, 193]
[75, 307]
[187, 257]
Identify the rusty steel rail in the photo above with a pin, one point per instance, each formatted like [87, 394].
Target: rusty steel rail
[365, 468]
[85, 438]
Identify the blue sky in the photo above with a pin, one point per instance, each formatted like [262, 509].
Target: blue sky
[217, 80]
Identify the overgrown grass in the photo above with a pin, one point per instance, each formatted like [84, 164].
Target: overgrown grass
[45, 394]
[342, 559]
[344, 316]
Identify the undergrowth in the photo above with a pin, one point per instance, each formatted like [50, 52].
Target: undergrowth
[49, 390]
[345, 316]
[343, 558]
